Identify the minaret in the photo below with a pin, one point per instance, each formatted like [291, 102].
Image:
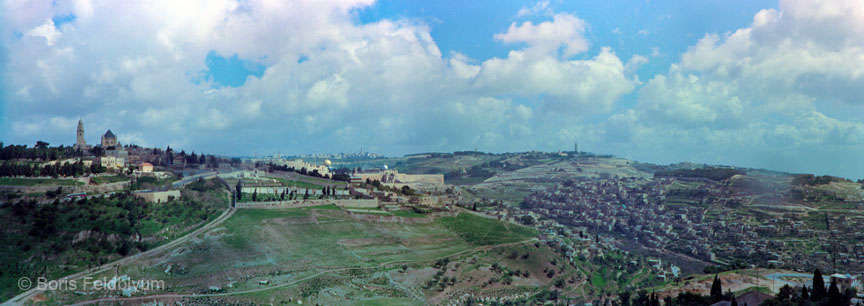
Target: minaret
[80, 143]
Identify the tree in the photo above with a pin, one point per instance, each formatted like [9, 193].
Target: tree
[716, 289]
[98, 151]
[804, 295]
[239, 189]
[786, 293]
[624, 298]
[834, 296]
[255, 195]
[306, 196]
[407, 190]
[818, 291]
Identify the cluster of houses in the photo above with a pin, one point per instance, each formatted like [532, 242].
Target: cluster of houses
[703, 223]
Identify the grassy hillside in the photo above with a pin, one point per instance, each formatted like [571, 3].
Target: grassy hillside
[62, 238]
[12, 181]
[330, 256]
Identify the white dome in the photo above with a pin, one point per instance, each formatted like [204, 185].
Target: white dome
[328, 163]
[385, 167]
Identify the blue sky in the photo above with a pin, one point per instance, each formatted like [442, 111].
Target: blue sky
[768, 84]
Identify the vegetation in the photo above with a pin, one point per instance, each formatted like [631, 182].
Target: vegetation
[711, 173]
[12, 181]
[109, 179]
[811, 180]
[482, 231]
[62, 238]
[294, 183]
[151, 182]
[66, 169]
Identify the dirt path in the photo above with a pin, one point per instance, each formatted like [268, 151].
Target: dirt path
[384, 264]
[24, 297]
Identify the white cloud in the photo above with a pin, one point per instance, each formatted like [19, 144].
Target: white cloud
[138, 68]
[47, 31]
[540, 6]
[564, 30]
[761, 91]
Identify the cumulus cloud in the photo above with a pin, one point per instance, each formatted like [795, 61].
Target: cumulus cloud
[770, 89]
[329, 84]
[563, 31]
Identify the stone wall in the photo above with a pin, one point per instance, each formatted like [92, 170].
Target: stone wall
[158, 196]
[307, 203]
[297, 190]
[102, 188]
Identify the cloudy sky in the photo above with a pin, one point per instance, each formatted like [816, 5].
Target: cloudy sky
[749, 83]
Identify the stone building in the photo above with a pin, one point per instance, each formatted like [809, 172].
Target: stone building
[80, 143]
[109, 140]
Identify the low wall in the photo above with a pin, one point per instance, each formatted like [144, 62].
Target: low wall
[297, 190]
[307, 203]
[101, 188]
[158, 196]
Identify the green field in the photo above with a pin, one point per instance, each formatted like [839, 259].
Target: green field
[483, 231]
[325, 255]
[14, 181]
[109, 179]
[408, 214]
[302, 184]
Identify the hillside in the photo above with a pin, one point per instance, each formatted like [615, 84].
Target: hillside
[63, 238]
[330, 256]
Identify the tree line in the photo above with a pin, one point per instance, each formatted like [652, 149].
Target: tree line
[818, 295]
[9, 168]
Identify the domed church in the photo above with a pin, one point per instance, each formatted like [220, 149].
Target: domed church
[109, 140]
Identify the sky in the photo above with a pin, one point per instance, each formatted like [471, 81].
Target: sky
[763, 84]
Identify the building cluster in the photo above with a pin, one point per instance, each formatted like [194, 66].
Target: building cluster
[705, 224]
[392, 178]
[114, 156]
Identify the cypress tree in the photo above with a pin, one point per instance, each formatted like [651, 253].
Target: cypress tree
[804, 294]
[716, 289]
[834, 296]
[818, 291]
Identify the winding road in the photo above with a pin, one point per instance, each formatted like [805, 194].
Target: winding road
[21, 299]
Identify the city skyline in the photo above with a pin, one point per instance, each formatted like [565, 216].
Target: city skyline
[759, 84]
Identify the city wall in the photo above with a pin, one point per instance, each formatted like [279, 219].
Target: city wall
[307, 203]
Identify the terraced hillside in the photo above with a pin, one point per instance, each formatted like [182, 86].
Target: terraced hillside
[330, 256]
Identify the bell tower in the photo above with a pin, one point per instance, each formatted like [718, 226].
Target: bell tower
[80, 143]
